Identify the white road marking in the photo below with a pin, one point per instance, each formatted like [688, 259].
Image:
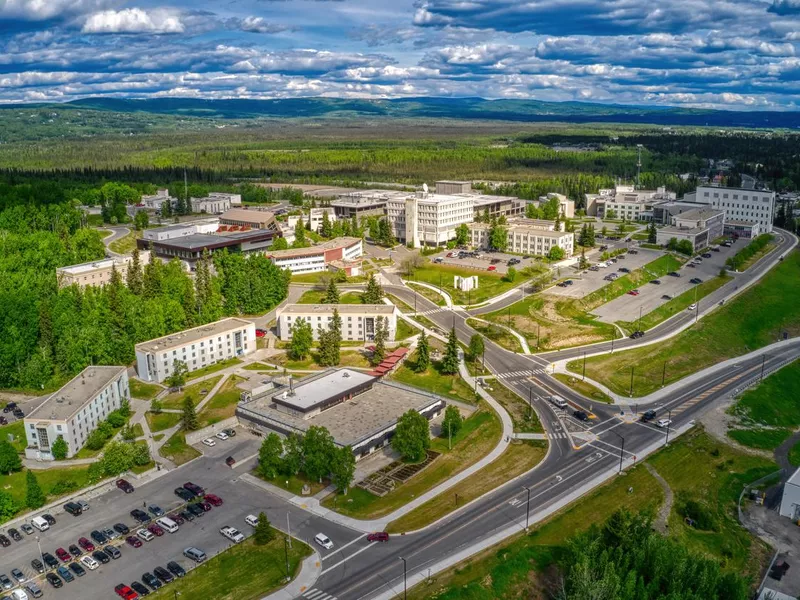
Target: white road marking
[346, 558]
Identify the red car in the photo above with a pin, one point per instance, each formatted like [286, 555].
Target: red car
[155, 529]
[86, 544]
[214, 499]
[177, 518]
[492, 268]
[206, 506]
[63, 555]
[379, 536]
[123, 591]
[134, 541]
[633, 293]
[261, 333]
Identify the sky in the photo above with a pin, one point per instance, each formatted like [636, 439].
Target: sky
[730, 54]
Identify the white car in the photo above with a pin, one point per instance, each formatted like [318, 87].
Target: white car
[209, 442]
[232, 534]
[602, 265]
[90, 563]
[692, 306]
[19, 595]
[222, 435]
[663, 423]
[251, 520]
[83, 504]
[145, 535]
[324, 541]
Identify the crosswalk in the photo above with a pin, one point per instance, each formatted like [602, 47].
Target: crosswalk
[434, 311]
[699, 398]
[514, 374]
[315, 594]
[558, 436]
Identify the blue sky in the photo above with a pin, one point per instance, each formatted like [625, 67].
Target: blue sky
[735, 54]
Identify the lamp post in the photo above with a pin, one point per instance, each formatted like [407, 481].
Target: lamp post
[527, 508]
[584, 367]
[621, 449]
[286, 552]
[530, 401]
[669, 422]
[39, 545]
[630, 393]
[405, 584]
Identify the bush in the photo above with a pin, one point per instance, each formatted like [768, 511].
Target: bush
[116, 419]
[62, 486]
[702, 516]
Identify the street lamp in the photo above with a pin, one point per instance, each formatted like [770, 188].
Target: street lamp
[39, 545]
[584, 367]
[527, 508]
[405, 583]
[669, 422]
[621, 449]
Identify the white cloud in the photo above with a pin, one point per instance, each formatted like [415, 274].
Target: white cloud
[42, 10]
[134, 20]
[260, 25]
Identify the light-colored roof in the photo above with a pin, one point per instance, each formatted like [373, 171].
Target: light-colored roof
[74, 395]
[487, 199]
[344, 309]
[188, 336]
[698, 214]
[741, 223]
[342, 242]
[120, 261]
[333, 383]
[795, 478]
[247, 215]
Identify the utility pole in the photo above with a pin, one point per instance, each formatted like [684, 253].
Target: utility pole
[631, 390]
[527, 508]
[669, 422]
[286, 543]
[664, 374]
[405, 584]
[639, 166]
[622, 448]
[288, 530]
[584, 367]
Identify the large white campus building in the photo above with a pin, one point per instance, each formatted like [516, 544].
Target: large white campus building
[340, 253]
[358, 320]
[526, 236]
[426, 218]
[196, 348]
[97, 272]
[739, 204]
[74, 411]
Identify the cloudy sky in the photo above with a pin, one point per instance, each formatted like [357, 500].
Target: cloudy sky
[736, 54]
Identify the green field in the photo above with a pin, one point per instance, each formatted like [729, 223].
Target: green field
[54, 482]
[584, 388]
[223, 364]
[404, 331]
[489, 284]
[17, 429]
[246, 571]
[223, 404]
[177, 450]
[317, 297]
[193, 391]
[756, 318]
[524, 418]
[126, 243]
[161, 421]
[499, 335]
[449, 386]
[428, 293]
[144, 391]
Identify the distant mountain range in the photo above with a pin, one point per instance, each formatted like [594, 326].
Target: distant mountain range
[450, 108]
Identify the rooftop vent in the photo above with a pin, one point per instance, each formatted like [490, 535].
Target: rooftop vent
[345, 374]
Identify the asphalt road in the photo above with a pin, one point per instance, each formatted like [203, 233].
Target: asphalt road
[118, 232]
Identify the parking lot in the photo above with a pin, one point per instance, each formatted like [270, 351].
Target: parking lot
[240, 499]
[651, 296]
[497, 259]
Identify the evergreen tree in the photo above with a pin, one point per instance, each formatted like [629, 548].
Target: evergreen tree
[300, 234]
[373, 294]
[117, 317]
[332, 293]
[652, 233]
[423, 354]
[326, 230]
[449, 364]
[34, 496]
[476, 346]
[330, 341]
[280, 244]
[263, 533]
[189, 418]
[355, 228]
[59, 449]
[133, 277]
[302, 340]
[381, 334]
[9, 459]
[152, 276]
[451, 424]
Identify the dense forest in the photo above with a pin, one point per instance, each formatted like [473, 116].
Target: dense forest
[50, 333]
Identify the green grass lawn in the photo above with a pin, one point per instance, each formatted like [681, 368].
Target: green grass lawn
[489, 284]
[295, 483]
[676, 305]
[126, 243]
[17, 429]
[525, 420]
[428, 293]
[194, 391]
[404, 331]
[161, 421]
[518, 458]
[347, 358]
[498, 335]
[246, 571]
[258, 366]
[478, 435]
[763, 439]
[54, 482]
[223, 364]
[584, 388]
[138, 430]
[223, 404]
[317, 297]
[177, 450]
[756, 318]
[794, 455]
[144, 391]
[448, 386]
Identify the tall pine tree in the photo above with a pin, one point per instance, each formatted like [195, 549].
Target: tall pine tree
[423, 354]
[450, 360]
[133, 277]
[332, 293]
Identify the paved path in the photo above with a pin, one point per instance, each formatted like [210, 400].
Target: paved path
[117, 233]
[521, 339]
[782, 455]
[448, 301]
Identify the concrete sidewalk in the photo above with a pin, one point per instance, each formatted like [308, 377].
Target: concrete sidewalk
[447, 299]
[309, 572]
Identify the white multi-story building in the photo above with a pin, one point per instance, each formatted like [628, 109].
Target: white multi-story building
[337, 253]
[700, 226]
[156, 202]
[74, 411]
[429, 219]
[196, 348]
[566, 207]
[97, 272]
[358, 320]
[315, 216]
[526, 236]
[245, 217]
[626, 202]
[179, 230]
[739, 204]
[213, 204]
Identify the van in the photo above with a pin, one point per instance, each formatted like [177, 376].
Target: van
[40, 523]
[73, 508]
[168, 524]
[558, 402]
[195, 554]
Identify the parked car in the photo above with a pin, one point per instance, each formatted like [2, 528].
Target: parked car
[230, 461]
[73, 508]
[15, 535]
[33, 589]
[140, 516]
[177, 517]
[74, 550]
[194, 553]
[633, 293]
[380, 536]
[145, 535]
[83, 504]
[206, 506]
[110, 534]
[222, 435]
[232, 534]
[5, 582]
[63, 555]
[214, 499]
[27, 529]
[251, 520]
[37, 565]
[156, 510]
[140, 588]
[65, 574]
[176, 569]
[184, 494]
[580, 415]
[113, 552]
[196, 510]
[261, 332]
[49, 518]
[656, 282]
[101, 557]
[624, 270]
[492, 268]
[89, 562]
[194, 488]
[674, 274]
[134, 541]
[648, 415]
[18, 575]
[696, 280]
[9, 407]
[77, 569]
[121, 528]
[54, 580]
[230, 432]
[151, 580]
[187, 515]
[706, 255]
[125, 592]
[4, 541]
[155, 529]
[98, 537]
[666, 297]
[49, 560]
[85, 544]
[324, 541]
[692, 306]
[163, 574]
[125, 486]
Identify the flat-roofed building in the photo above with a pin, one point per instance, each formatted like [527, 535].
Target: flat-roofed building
[358, 409]
[566, 207]
[191, 247]
[74, 411]
[157, 200]
[363, 203]
[314, 216]
[446, 186]
[212, 204]
[742, 229]
[626, 202]
[358, 320]
[526, 236]
[700, 226]
[196, 348]
[739, 204]
[170, 232]
[319, 258]
[245, 217]
[97, 272]
[486, 205]
[428, 219]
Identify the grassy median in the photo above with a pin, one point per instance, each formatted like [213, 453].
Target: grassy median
[756, 318]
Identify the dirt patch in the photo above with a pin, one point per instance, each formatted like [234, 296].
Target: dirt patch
[661, 523]
[718, 422]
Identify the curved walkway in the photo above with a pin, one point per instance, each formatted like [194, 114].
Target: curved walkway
[661, 524]
[448, 301]
[522, 341]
